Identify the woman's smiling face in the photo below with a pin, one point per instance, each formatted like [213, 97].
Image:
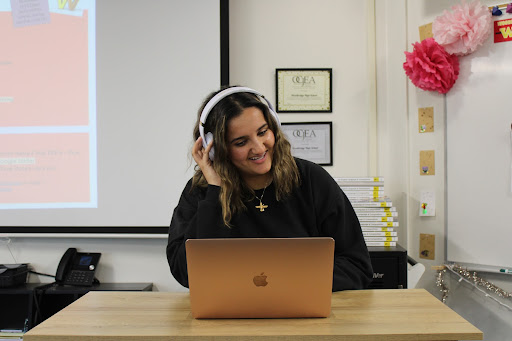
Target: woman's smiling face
[250, 145]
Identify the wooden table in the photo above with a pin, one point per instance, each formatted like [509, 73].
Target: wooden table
[383, 315]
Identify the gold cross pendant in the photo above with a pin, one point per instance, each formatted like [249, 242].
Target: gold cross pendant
[261, 206]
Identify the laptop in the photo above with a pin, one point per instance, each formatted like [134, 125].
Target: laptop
[260, 277]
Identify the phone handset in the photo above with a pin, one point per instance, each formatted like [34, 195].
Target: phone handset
[77, 268]
[65, 264]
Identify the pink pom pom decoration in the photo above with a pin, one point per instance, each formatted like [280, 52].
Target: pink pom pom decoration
[464, 29]
[430, 67]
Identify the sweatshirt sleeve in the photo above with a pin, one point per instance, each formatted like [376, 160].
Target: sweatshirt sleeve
[197, 215]
[336, 218]
[352, 263]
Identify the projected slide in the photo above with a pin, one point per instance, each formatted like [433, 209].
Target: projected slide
[47, 104]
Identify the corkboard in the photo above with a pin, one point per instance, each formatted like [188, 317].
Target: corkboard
[427, 246]
[426, 120]
[427, 162]
[426, 31]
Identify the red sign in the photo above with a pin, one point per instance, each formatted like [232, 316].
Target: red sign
[502, 30]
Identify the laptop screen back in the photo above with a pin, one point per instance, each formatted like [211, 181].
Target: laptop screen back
[260, 277]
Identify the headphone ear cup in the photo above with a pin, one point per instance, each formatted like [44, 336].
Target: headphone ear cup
[207, 139]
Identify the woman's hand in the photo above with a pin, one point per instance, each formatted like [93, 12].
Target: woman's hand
[200, 155]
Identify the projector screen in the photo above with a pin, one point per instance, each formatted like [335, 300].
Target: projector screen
[97, 105]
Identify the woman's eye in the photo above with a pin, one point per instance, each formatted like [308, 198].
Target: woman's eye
[240, 144]
[263, 132]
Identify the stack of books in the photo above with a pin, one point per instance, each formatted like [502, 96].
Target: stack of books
[375, 211]
[11, 334]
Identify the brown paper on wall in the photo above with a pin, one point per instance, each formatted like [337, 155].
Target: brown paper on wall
[425, 31]
[427, 246]
[426, 120]
[427, 162]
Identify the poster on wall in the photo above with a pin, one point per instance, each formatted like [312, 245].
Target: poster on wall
[503, 30]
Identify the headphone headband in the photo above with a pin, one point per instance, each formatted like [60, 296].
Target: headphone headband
[221, 95]
[229, 91]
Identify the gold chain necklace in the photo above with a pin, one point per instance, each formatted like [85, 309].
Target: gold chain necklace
[261, 206]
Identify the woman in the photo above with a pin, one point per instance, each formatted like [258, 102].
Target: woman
[252, 187]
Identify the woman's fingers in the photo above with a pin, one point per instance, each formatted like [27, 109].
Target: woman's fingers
[197, 150]
[201, 156]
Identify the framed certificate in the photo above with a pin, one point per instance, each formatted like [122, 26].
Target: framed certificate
[304, 90]
[310, 141]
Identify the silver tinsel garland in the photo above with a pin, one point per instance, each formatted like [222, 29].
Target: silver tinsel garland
[472, 278]
[440, 283]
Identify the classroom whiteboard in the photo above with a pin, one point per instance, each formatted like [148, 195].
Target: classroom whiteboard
[479, 158]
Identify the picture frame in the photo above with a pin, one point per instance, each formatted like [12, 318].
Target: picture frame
[304, 90]
[310, 141]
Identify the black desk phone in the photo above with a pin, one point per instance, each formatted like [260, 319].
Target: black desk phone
[77, 268]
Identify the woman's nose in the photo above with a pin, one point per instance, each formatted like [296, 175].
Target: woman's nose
[258, 146]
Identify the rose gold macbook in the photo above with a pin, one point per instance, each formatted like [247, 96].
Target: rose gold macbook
[260, 277]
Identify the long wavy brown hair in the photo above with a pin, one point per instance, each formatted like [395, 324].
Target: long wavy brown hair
[234, 191]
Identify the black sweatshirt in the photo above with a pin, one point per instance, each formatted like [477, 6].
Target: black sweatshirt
[317, 208]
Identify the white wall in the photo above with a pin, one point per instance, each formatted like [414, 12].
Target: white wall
[369, 106]
[269, 34]
[122, 260]
[392, 119]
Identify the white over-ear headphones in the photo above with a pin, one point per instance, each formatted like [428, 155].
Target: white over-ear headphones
[216, 99]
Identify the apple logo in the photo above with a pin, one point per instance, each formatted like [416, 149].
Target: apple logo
[260, 280]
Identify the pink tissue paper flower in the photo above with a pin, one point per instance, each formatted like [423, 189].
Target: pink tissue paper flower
[430, 67]
[464, 29]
